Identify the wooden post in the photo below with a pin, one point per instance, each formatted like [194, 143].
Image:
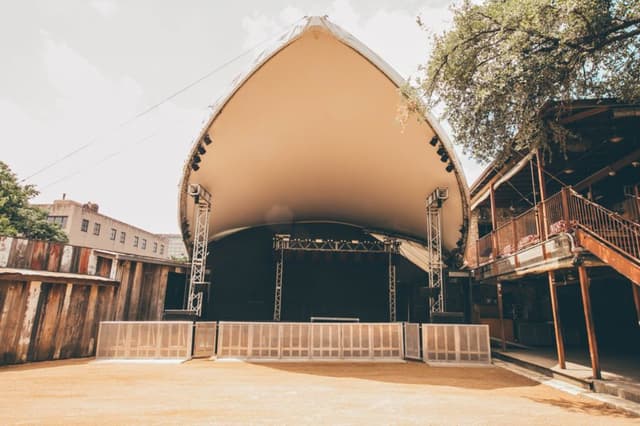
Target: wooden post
[557, 326]
[588, 320]
[543, 195]
[500, 312]
[565, 206]
[515, 241]
[636, 298]
[494, 222]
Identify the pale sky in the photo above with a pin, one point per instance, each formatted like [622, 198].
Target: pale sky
[74, 70]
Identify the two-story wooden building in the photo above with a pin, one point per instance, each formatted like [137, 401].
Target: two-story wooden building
[557, 254]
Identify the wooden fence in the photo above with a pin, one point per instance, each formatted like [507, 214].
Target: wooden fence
[53, 297]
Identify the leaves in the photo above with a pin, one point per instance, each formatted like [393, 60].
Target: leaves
[17, 217]
[504, 61]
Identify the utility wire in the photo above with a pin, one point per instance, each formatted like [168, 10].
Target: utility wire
[102, 160]
[149, 109]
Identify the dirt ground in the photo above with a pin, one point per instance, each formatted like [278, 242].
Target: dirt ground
[206, 392]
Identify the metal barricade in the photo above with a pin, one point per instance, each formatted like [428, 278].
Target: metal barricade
[204, 339]
[412, 348]
[456, 343]
[151, 340]
[312, 341]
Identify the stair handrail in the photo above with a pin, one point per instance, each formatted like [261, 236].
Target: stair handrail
[605, 224]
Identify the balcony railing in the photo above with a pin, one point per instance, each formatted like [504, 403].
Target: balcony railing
[561, 212]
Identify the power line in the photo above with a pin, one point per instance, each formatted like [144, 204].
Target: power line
[149, 109]
[102, 160]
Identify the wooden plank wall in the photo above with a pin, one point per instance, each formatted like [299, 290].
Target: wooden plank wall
[20, 253]
[47, 321]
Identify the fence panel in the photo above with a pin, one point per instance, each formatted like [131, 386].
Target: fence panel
[295, 341]
[204, 339]
[412, 341]
[144, 340]
[456, 343]
[313, 341]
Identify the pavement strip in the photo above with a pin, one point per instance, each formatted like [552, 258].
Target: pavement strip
[610, 400]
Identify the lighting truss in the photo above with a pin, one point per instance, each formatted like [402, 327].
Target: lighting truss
[202, 210]
[282, 242]
[434, 247]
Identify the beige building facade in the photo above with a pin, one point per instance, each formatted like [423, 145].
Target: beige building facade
[176, 248]
[86, 226]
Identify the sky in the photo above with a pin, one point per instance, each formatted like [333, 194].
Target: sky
[77, 74]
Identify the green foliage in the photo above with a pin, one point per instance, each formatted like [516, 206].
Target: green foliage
[504, 61]
[17, 217]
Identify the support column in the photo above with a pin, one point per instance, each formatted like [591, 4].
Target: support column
[543, 196]
[277, 304]
[501, 313]
[588, 319]
[494, 222]
[557, 326]
[636, 298]
[392, 289]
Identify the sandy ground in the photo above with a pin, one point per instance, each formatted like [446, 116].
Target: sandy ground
[206, 392]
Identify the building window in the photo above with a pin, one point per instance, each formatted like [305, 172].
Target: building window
[135, 241]
[123, 237]
[96, 228]
[161, 248]
[113, 234]
[144, 244]
[155, 247]
[61, 221]
[84, 227]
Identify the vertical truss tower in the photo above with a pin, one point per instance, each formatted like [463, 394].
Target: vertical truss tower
[434, 246]
[202, 210]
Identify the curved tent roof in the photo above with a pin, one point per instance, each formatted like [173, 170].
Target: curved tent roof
[311, 134]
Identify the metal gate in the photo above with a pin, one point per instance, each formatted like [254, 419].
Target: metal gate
[456, 343]
[412, 341]
[204, 339]
[152, 340]
[313, 341]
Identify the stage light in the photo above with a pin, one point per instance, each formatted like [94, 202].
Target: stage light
[441, 151]
[444, 158]
[449, 168]
[201, 150]
[434, 141]
[196, 158]
[195, 167]
[207, 139]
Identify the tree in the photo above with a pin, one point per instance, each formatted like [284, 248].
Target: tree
[504, 61]
[17, 217]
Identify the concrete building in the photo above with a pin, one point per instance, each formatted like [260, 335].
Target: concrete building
[85, 226]
[175, 248]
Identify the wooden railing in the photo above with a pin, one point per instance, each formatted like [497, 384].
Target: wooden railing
[608, 226]
[562, 212]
